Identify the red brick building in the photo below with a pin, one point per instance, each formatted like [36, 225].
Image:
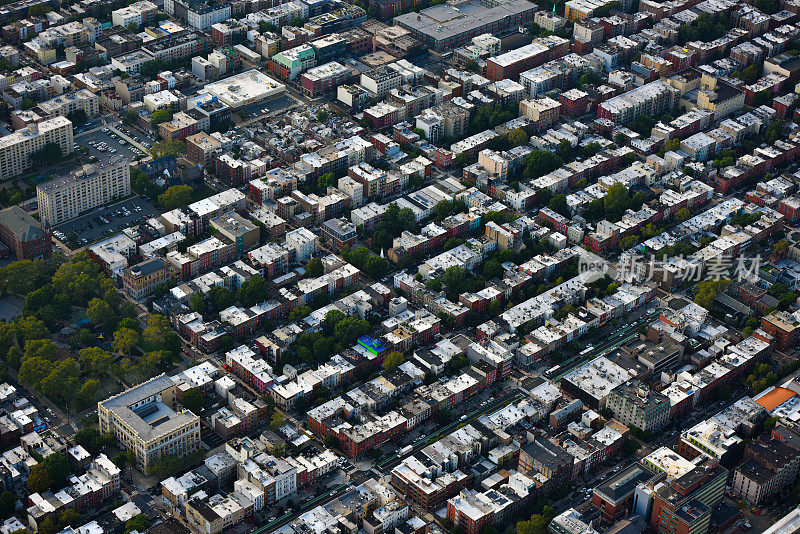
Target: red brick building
[23, 235]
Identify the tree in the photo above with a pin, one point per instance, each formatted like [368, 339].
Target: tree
[47, 526]
[434, 284]
[39, 479]
[167, 148]
[39, 10]
[221, 298]
[67, 517]
[471, 65]
[87, 394]
[314, 268]
[139, 523]
[41, 348]
[27, 103]
[628, 242]
[332, 318]
[595, 210]
[299, 312]
[95, 360]
[707, 291]
[176, 196]
[149, 69]
[100, 313]
[253, 291]
[565, 151]
[277, 420]
[78, 117]
[7, 502]
[264, 27]
[49, 153]
[130, 117]
[683, 214]
[23, 276]
[540, 162]
[159, 335]
[197, 303]
[90, 439]
[323, 116]
[192, 400]
[159, 116]
[81, 279]
[131, 27]
[559, 204]
[769, 7]
[331, 441]
[616, 201]
[517, 137]
[125, 339]
[492, 269]
[393, 360]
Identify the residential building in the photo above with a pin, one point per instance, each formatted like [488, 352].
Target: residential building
[83, 189]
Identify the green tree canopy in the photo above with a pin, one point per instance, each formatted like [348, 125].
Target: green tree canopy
[253, 291]
[176, 196]
[393, 360]
[159, 116]
[192, 400]
[49, 153]
[221, 298]
[314, 268]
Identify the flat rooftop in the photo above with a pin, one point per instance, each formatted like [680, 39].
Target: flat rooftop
[142, 409]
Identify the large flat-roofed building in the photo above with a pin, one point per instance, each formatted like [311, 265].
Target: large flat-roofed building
[635, 405]
[63, 105]
[144, 419]
[16, 148]
[651, 99]
[23, 234]
[92, 185]
[245, 88]
[445, 27]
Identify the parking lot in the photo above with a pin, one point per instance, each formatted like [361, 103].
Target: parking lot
[272, 106]
[144, 138]
[104, 143]
[92, 227]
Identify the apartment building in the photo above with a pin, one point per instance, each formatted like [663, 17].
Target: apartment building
[90, 186]
[769, 466]
[139, 281]
[651, 99]
[63, 105]
[338, 233]
[137, 13]
[782, 327]
[144, 420]
[635, 405]
[16, 149]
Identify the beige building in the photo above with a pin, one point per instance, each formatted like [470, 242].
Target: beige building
[16, 149]
[140, 280]
[63, 105]
[93, 185]
[217, 513]
[543, 111]
[719, 98]
[144, 419]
